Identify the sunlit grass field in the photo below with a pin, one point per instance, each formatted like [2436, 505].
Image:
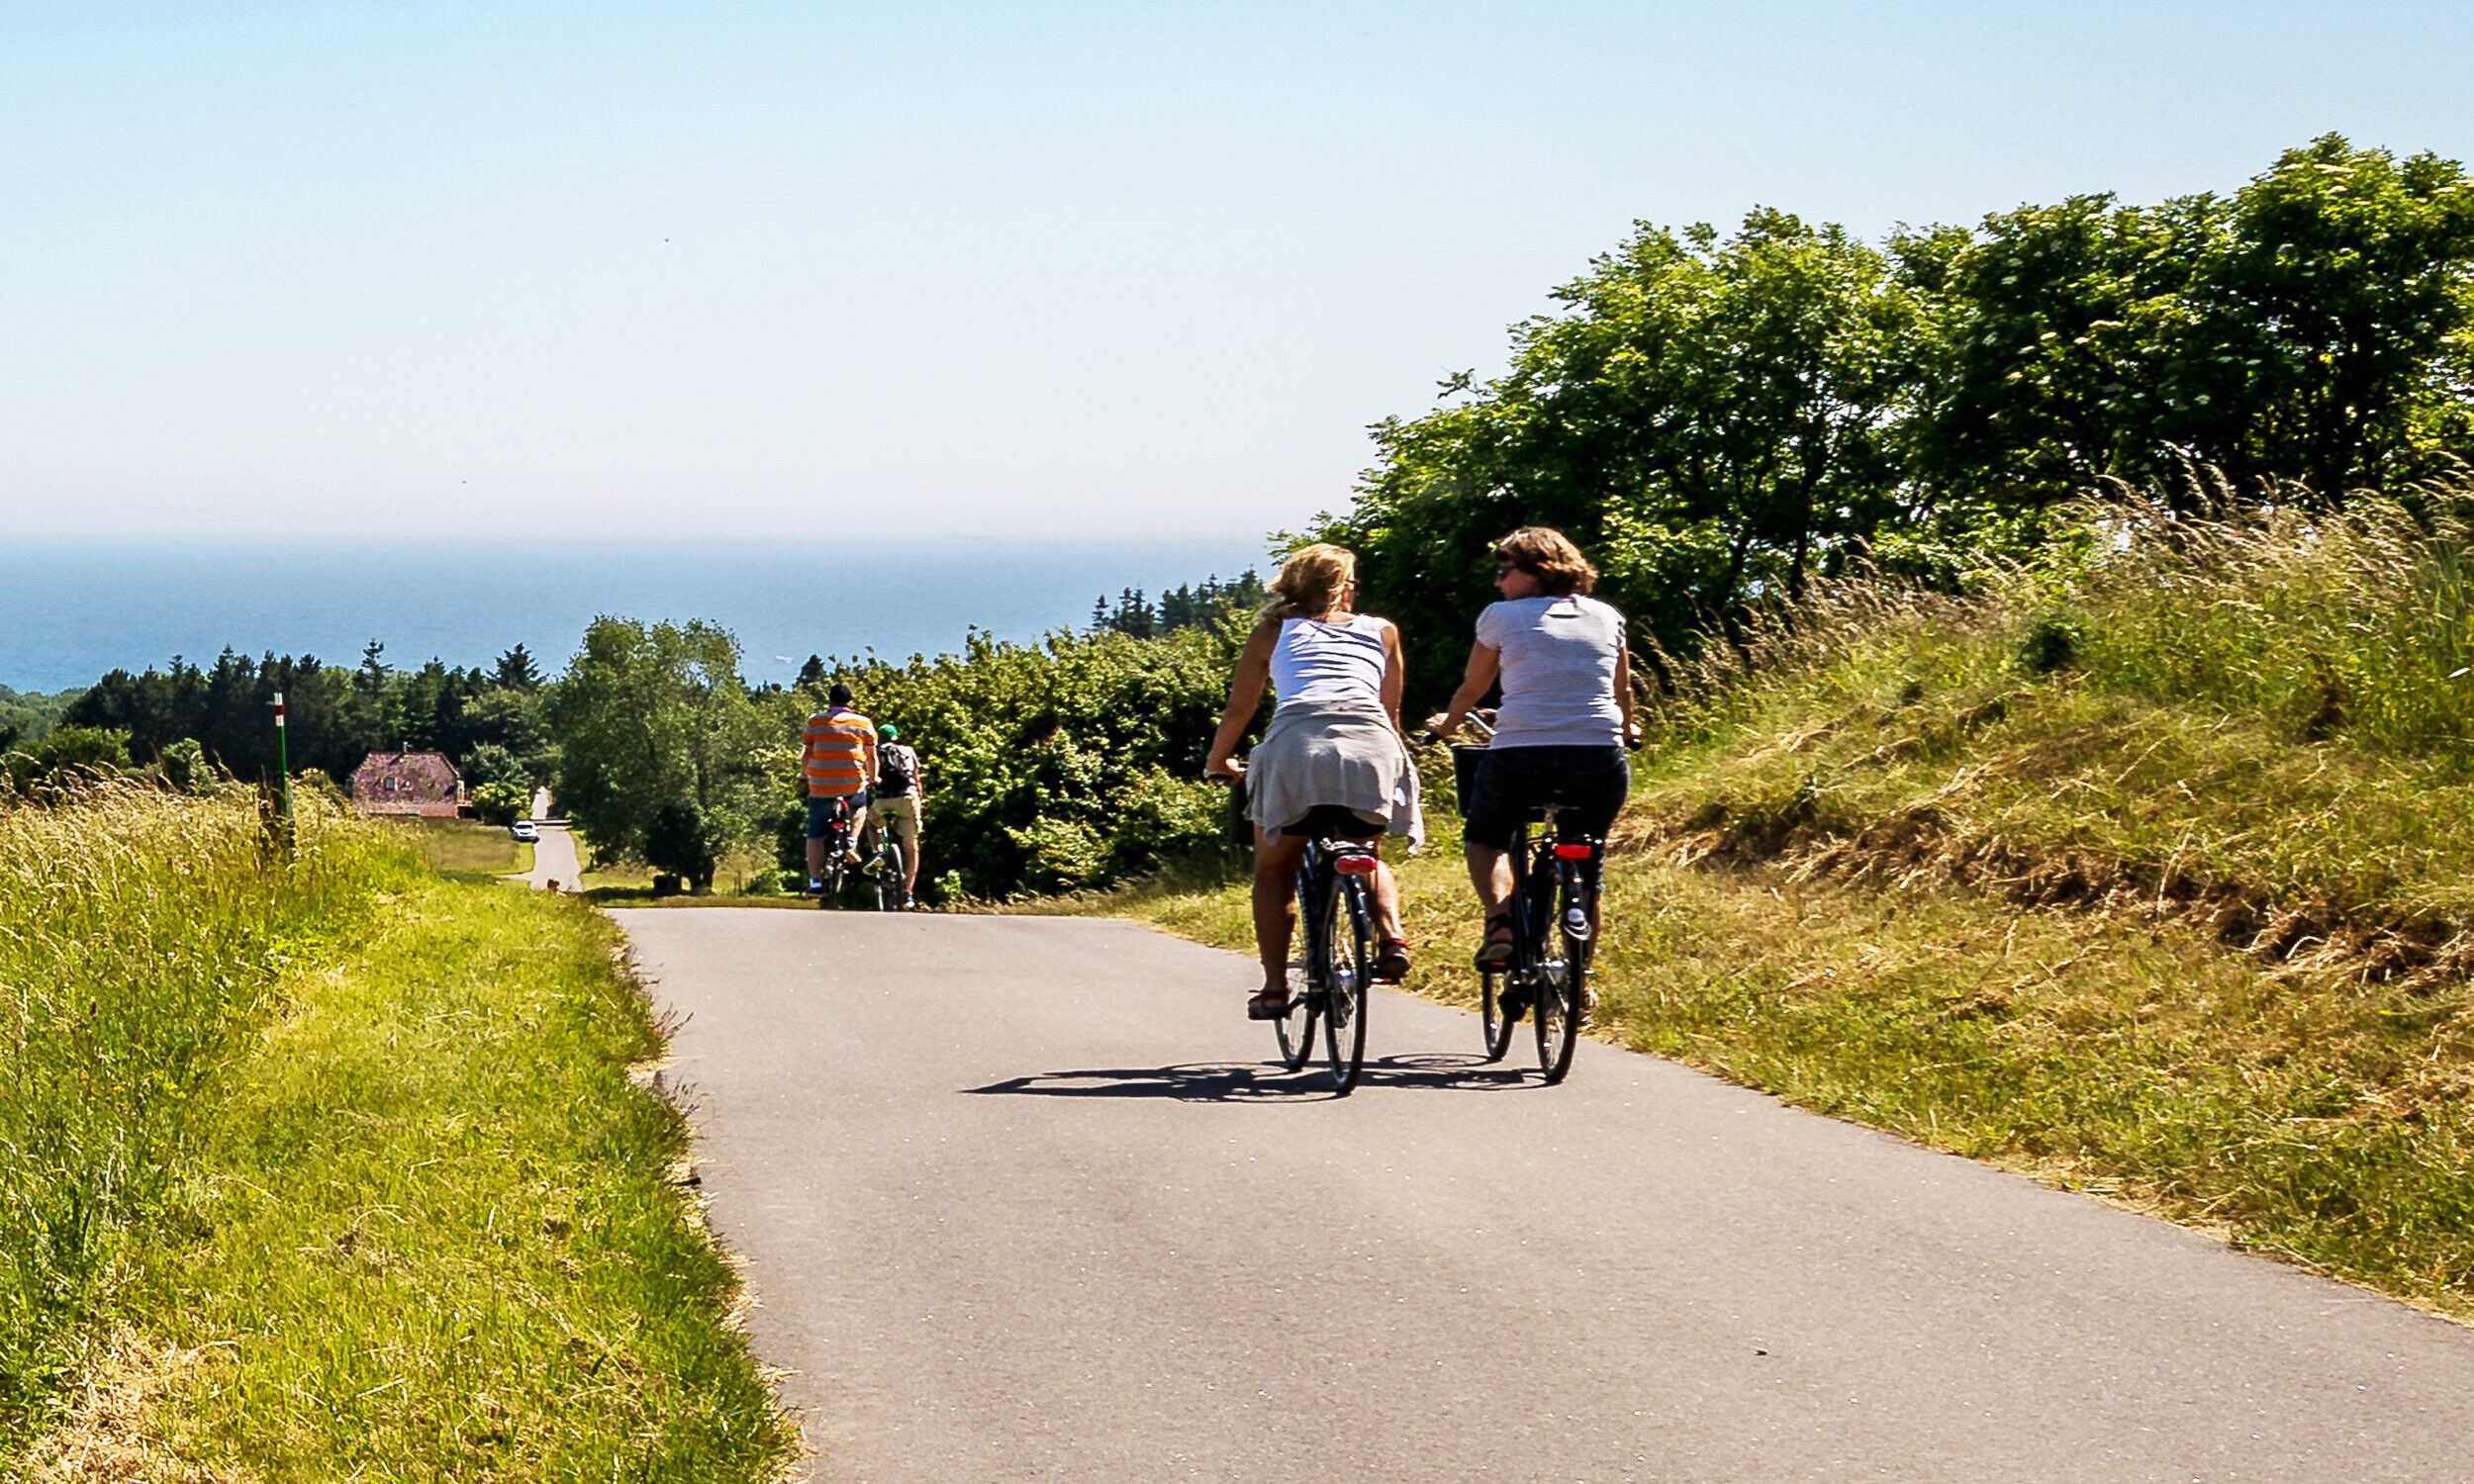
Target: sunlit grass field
[327, 1167]
[2145, 872]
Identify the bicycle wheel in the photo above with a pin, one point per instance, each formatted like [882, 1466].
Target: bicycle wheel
[1348, 936]
[1296, 1028]
[888, 878]
[1498, 1018]
[1557, 1010]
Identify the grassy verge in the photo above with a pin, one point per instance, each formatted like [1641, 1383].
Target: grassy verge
[2144, 874]
[463, 849]
[420, 1223]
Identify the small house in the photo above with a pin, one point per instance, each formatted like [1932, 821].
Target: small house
[423, 784]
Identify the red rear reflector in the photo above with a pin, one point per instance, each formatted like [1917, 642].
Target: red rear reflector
[1572, 852]
[1354, 864]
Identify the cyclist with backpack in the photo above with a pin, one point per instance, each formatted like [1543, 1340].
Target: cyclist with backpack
[896, 809]
[1331, 763]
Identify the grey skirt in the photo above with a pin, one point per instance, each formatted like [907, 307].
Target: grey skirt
[1343, 753]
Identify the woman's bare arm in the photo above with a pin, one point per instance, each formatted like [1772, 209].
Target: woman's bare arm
[1623, 694]
[1396, 674]
[1484, 664]
[1245, 698]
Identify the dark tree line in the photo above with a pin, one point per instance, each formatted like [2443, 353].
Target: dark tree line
[487, 722]
[1717, 418]
[1186, 605]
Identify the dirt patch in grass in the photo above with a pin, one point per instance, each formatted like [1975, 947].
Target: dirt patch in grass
[1915, 847]
[110, 1434]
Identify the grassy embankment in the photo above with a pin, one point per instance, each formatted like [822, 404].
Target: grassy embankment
[336, 1170]
[2150, 875]
[463, 851]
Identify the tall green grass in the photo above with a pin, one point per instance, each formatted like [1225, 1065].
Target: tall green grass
[2357, 622]
[2276, 701]
[139, 931]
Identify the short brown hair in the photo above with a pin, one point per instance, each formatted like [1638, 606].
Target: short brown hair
[1309, 581]
[1549, 556]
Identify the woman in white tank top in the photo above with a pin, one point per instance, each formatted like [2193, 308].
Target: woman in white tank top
[1332, 759]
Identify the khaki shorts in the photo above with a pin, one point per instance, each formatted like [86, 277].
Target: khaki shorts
[898, 815]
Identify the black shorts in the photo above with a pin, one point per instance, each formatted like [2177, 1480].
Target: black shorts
[1335, 820]
[1588, 784]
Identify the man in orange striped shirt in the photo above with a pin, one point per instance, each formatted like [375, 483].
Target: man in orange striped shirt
[839, 764]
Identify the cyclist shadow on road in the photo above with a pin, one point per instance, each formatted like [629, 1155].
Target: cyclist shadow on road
[1261, 1082]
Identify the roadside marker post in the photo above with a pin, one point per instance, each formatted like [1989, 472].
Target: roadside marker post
[283, 772]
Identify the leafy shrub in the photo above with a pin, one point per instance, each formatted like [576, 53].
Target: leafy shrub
[502, 802]
[1073, 762]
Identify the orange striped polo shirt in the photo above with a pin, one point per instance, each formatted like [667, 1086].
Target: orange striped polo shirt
[840, 745]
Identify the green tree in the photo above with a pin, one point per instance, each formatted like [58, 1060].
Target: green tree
[516, 670]
[1715, 417]
[2333, 346]
[649, 717]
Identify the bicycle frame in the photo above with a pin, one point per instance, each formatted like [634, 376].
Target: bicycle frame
[1332, 878]
[1551, 874]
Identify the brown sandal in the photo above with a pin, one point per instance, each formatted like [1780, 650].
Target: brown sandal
[1495, 953]
[1391, 963]
[1267, 1004]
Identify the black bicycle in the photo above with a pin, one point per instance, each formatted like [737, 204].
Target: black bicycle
[828, 889]
[1555, 884]
[1336, 918]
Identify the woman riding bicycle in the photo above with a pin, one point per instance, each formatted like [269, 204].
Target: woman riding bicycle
[1565, 720]
[1332, 762]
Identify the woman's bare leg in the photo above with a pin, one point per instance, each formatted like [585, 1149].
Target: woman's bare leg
[1275, 860]
[1491, 872]
[1387, 904]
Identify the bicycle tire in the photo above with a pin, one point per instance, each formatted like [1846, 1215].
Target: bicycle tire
[1558, 1009]
[889, 892]
[1493, 1023]
[1296, 1028]
[1348, 936]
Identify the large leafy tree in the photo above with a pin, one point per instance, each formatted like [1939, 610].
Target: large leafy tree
[2333, 344]
[2312, 327]
[1713, 417]
[654, 724]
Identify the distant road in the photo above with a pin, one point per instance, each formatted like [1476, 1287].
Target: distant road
[554, 856]
[1022, 1200]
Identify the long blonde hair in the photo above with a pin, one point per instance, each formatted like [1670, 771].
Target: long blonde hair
[1311, 581]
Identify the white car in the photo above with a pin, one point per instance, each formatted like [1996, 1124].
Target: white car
[524, 829]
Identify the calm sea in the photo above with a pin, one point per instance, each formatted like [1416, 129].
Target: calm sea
[73, 610]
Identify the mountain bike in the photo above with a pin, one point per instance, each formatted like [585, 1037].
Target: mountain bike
[1336, 917]
[1555, 884]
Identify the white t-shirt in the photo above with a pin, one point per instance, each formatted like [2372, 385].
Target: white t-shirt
[1558, 670]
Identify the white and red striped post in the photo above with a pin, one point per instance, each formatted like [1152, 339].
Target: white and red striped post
[283, 763]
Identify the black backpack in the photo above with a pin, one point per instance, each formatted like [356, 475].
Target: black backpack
[897, 769]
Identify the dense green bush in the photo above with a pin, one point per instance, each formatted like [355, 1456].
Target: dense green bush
[1073, 762]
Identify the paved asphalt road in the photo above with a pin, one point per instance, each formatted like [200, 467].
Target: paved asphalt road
[1023, 1199]
[554, 856]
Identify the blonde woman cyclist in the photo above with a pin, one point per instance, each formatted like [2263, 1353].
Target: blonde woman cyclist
[1331, 763]
[1565, 717]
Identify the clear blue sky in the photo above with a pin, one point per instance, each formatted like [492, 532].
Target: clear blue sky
[744, 269]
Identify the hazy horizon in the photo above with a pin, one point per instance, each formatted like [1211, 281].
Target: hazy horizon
[72, 608]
